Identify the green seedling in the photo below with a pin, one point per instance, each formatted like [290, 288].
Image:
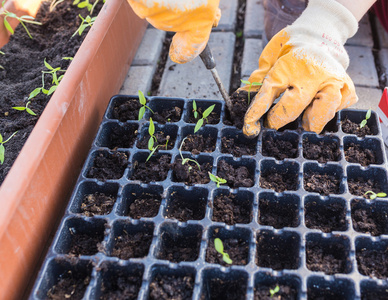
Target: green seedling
[152, 140]
[26, 108]
[2, 149]
[195, 111]
[67, 58]
[22, 20]
[250, 86]
[274, 291]
[220, 249]
[143, 102]
[205, 114]
[217, 179]
[367, 116]
[83, 4]
[2, 53]
[87, 22]
[186, 160]
[54, 3]
[375, 195]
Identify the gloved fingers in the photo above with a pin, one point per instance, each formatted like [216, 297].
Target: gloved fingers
[217, 17]
[348, 92]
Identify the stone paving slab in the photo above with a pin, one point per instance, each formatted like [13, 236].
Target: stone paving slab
[150, 47]
[138, 78]
[228, 19]
[383, 58]
[254, 19]
[252, 52]
[382, 35]
[363, 37]
[367, 98]
[193, 80]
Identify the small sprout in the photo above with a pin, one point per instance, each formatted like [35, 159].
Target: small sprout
[367, 116]
[250, 86]
[2, 53]
[195, 111]
[167, 140]
[205, 114]
[239, 34]
[143, 102]
[2, 149]
[186, 160]
[26, 108]
[67, 58]
[274, 291]
[152, 140]
[374, 195]
[87, 22]
[83, 4]
[54, 3]
[220, 249]
[217, 179]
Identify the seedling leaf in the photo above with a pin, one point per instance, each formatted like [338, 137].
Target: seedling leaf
[218, 245]
[368, 114]
[21, 108]
[245, 81]
[274, 291]
[141, 112]
[1, 138]
[151, 143]
[227, 259]
[142, 99]
[29, 110]
[363, 123]
[151, 128]
[208, 111]
[198, 125]
[381, 195]
[2, 151]
[34, 93]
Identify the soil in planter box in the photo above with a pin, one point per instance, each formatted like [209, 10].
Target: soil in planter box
[227, 210]
[71, 285]
[330, 217]
[321, 151]
[279, 149]
[146, 206]
[152, 170]
[129, 110]
[359, 187]
[329, 260]
[226, 289]
[369, 220]
[323, 184]
[237, 149]
[185, 248]
[120, 286]
[285, 293]
[354, 128]
[23, 64]
[119, 138]
[356, 154]
[85, 243]
[167, 115]
[97, 204]
[213, 118]
[108, 165]
[235, 177]
[277, 215]
[189, 172]
[198, 143]
[240, 106]
[128, 246]
[279, 182]
[373, 263]
[237, 249]
[183, 210]
[167, 287]
[162, 141]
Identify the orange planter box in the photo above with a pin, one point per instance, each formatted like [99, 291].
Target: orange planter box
[37, 188]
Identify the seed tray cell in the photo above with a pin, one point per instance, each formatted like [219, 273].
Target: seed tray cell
[154, 236]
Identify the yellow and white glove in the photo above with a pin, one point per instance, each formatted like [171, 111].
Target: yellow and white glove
[307, 62]
[192, 20]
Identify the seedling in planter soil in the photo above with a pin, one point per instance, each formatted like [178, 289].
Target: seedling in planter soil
[54, 4]
[143, 102]
[87, 22]
[2, 53]
[87, 4]
[2, 149]
[26, 108]
[22, 20]
[195, 111]
[367, 116]
[274, 291]
[374, 195]
[220, 249]
[250, 86]
[217, 179]
[205, 114]
[152, 140]
[186, 160]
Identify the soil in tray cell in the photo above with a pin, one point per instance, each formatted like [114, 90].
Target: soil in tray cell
[370, 218]
[238, 250]
[355, 153]
[279, 181]
[97, 204]
[155, 169]
[235, 176]
[165, 141]
[278, 214]
[359, 186]
[321, 151]
[189, 173]
[228, 209]
[285, 292]
[279, 148]
[171, 287]
[222, 287]
[236, 148]
[132, 245]
[108, 165]
[354, 128]
[240, 106]
[71, 285]
[85, 243]
[183, 209]
[198, 143]
[167, 115]
[119, 137]
[323, 184]
[373, 263]
[145, 206]
[213, 118]
[128, 110]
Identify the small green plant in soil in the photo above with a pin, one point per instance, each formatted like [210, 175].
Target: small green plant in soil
[195, 110]
[2, 149]
[143, 102]
[26, 108]
[367, 116]
[152, 140]
[205, 114]
[54, 4]
[22, 20]
[2, 53]
[87, 22]
[375, 195]
[86, 4]
[274, 291]
[219, 246]
[250, 86]
[186, 160]
[217, 179]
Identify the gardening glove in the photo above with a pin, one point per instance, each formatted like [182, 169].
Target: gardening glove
[306, 61]
[192, 20]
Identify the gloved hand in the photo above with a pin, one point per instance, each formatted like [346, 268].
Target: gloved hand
[306, 61]
[192, 20]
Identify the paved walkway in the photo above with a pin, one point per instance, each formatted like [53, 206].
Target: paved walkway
[193, 80]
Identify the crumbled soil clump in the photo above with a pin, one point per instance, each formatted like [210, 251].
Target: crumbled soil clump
[321, 151]
[285, 293]
[156, 169]
[235, 176]
[71, 285]
[182, 248]
[108, 165]
[373, 263]
[327, 217]
[356, 154]
[128, 246]
[97, 204]
[183, 210]
[278, 215]
[166, 287]
[354, 128]
[161, 138]
[368, 219]
[189, 172]
[120, 286]
[198, 143]
[225, 289]
[236, 148]
[237, 249]
[240, 106]
[360, 186]
[323, 184]
[279, 182]
[120, 138]
[128, 110]
[167, 115]
[226, 209]
[280, 149]
[85, 243]
[146, 206]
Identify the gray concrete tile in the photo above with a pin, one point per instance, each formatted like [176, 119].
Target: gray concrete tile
[363, 37]
[150, 47]
[193, 79]
[382, 35]
[254, 19]
[138, 78]
[252, 52]
[383, 58]
[228, 19]
[367, 98]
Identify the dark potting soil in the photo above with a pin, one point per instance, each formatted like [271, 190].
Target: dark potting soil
[119, 138]
[285, 293]
[373, 263]
[198, 143]
[189, 173]
[120, 286]
[146, 206]
[278, 215]
[357, 154]
[359, 186]
[182, 210]
[108, 165]
[71, 285]
[368, 219]
[155, 169]
[85, 243]
[237, 249]
[225, 289]
[331, 259]
[323, 184]
[167, 115]
[327, 217]
[128, 110]
[236, 148]
[97, 204]
[321, 151]
[240, 106]
[279, 182]
[181, 248]
[235, 176]
[166, 287]
[354, 128]
[162, 139]
[227, 209]
[280, 149]
[213, 118]
[128, 246]
[22, 74]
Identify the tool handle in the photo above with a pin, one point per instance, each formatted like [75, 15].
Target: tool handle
[207, 58]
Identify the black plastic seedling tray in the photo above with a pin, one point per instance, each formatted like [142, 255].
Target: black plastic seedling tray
[276, 254]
